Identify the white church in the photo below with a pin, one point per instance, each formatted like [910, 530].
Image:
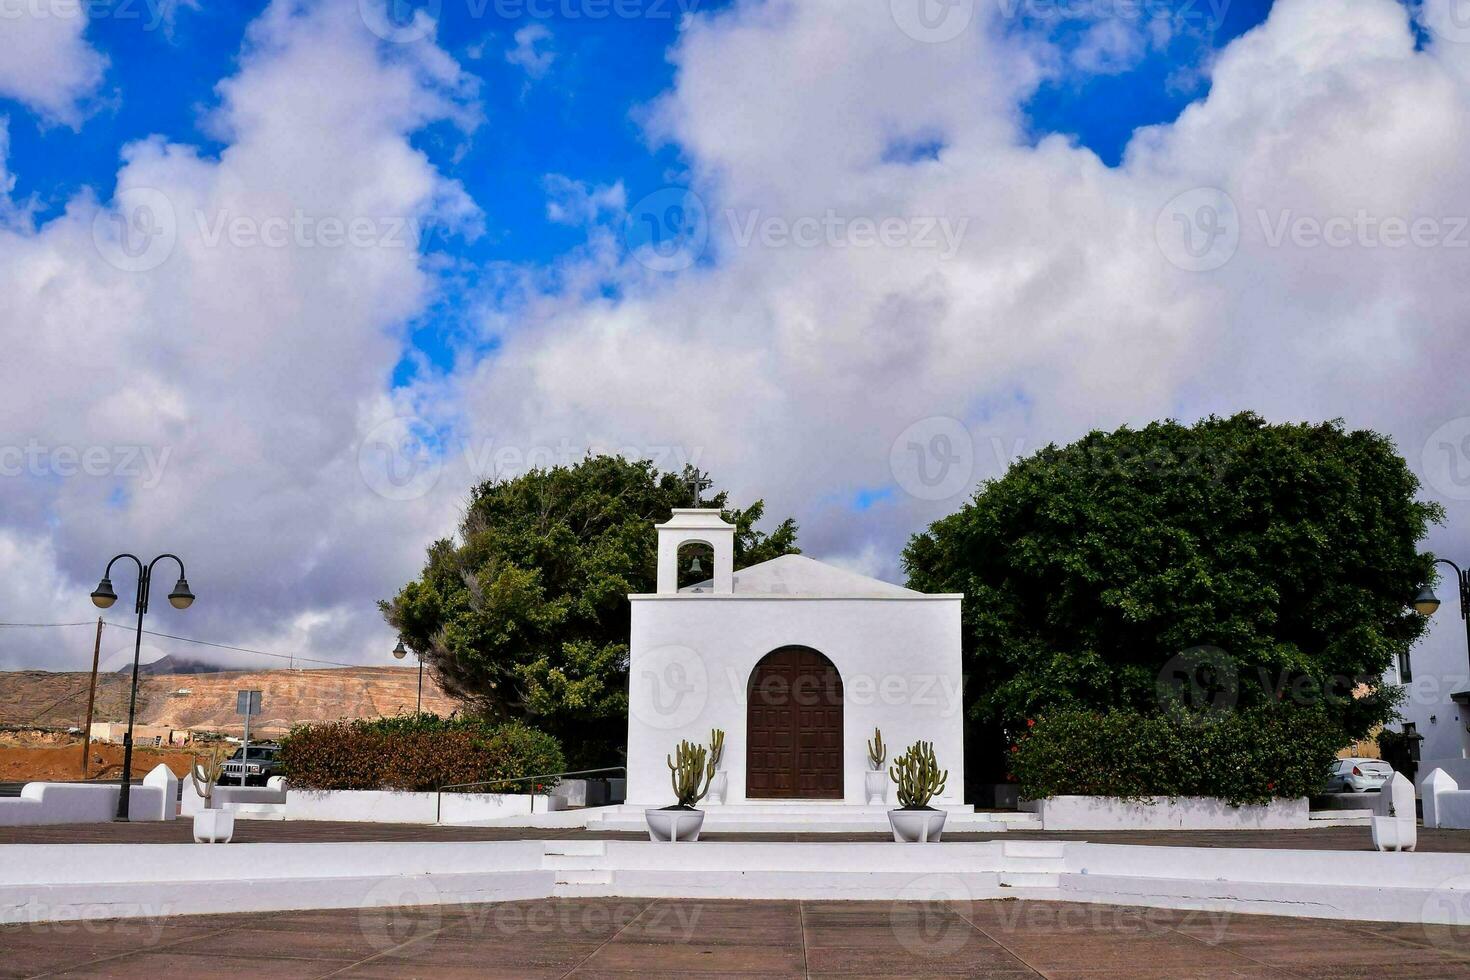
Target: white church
[797, 662]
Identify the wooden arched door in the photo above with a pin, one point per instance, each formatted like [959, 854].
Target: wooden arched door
[794, 727]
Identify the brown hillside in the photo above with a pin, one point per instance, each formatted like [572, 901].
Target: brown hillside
[42, 698]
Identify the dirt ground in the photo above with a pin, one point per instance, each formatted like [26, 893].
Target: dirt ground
[48, 755]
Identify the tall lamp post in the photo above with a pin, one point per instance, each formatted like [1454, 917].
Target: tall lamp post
[1426, 602]
[103, 598]
[399, 652]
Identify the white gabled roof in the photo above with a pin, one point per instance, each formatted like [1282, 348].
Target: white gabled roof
[799, 575]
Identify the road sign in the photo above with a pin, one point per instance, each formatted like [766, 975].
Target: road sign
[247, 703]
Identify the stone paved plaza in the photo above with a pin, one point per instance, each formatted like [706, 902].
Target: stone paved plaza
[651, 938]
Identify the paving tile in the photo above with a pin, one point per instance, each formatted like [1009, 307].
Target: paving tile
[153, 966]
[1112, 953]
[962, 957]
[693, 957]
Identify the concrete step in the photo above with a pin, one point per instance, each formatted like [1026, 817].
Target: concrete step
[1023, 879]
[1041, 849]
[585, 848]
[584, 876]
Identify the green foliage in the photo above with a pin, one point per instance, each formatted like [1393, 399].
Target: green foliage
[687, 769]
[1087, 568]
[525, 613]
[877, 751]
[716, 747]
[418, 753]
[1243, 757]
[918, 777]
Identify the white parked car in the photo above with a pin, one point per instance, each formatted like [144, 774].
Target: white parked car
[1358, 775]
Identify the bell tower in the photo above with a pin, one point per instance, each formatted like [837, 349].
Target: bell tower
[702, 525]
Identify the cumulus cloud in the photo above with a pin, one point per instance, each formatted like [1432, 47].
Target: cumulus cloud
[234, 319]
[813, 315]
[44, 60]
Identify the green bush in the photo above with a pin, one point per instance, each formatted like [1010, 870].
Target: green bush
[418, 753]
[1248, 756]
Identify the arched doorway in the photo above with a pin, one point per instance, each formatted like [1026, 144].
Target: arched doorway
[794, 727]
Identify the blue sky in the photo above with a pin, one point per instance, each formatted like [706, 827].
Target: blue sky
[582, 120]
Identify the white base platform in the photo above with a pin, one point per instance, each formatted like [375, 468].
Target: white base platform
[814, 817]
[86, 882]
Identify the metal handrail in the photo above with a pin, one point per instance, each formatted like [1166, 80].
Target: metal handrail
[439, 797]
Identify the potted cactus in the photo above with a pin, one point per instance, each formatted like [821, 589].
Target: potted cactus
[690, 770]
[211, 826]
[719, 783]
[919, 780]
[875, 780]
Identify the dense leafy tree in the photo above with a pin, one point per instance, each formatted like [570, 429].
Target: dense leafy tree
[1228, 564]
[525, 614]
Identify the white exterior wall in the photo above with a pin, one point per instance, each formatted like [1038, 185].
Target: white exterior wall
[1441, 667]
[691, 657]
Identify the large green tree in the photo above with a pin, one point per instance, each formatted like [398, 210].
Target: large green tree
[524, 614]
[1231, 562]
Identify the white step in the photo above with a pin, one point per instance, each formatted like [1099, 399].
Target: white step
[572, 862]
[586, 848]
[583, 876]
[1051, 849]
[1016, 879]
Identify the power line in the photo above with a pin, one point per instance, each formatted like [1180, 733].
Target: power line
[189, 639]
[226, 646]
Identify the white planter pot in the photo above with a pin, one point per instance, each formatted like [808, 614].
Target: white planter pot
[719, 785]
[875, 786]
[673, 825]
[213, 827]
[1395, 833]
[916, 826]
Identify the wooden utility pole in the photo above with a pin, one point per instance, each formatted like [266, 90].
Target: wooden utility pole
[91, 699]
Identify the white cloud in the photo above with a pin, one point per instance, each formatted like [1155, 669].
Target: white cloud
[787, 366]
[532, 52]
[44, 60]
[238, 318]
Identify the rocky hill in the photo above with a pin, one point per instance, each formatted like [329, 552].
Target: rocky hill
[207, 700]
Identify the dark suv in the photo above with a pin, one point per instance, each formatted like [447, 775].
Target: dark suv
[254, 771]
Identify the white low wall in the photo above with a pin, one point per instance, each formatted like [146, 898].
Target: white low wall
[1445, 803]
[71, 882]
[50, 882]
[1457, 769]
[386, 806]
[1166, 813]
[62, 803]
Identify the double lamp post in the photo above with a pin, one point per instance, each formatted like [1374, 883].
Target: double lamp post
[103, 598]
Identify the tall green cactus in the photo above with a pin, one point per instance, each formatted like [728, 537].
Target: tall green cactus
[918, 777]
[687, 769]
[877, 751]
[716, 747]
[205, 773]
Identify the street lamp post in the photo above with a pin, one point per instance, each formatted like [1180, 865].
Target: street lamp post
[399, 652]
[103, 598]
[1426, 602]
